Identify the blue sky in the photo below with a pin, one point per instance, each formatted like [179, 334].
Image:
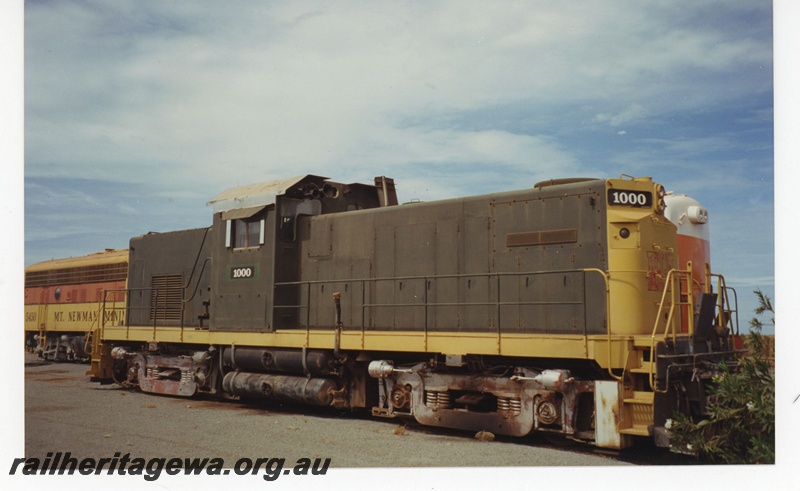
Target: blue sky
[137, 113]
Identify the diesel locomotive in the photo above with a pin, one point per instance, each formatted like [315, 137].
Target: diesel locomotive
[580, 307]
[63, 299]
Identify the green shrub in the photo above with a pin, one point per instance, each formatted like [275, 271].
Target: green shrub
[740, 427]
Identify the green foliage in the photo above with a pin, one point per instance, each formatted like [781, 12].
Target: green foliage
[740, 427]
[764, 305]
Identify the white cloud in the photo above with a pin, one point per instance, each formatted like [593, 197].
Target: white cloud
[449, 98]
[631, 113]
[261, 89]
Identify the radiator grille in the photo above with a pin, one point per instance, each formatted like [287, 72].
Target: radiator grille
[166, 297]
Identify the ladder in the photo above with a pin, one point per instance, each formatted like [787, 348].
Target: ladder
[637, 403]
[642, 378]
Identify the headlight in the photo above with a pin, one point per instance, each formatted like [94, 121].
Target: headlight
[697, 214]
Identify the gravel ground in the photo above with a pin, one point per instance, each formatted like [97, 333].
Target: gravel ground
[67, 413]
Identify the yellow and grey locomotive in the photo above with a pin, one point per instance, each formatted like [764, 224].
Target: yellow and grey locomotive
[561, 308]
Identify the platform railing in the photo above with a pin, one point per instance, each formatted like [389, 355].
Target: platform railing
[730, 319]
[671, 304]
[678, 297]
[494, 298]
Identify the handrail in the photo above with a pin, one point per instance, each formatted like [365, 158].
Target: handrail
[99, 321]
[672, 284]
[187, 292]
[608, 324]
[42, 321]
[96, 340]
[493, 298]
[158, 312]
[724, 321]
[89, 334]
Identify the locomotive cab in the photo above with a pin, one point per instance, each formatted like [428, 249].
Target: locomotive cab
[256, 239]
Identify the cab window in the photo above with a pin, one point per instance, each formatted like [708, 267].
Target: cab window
[246, 233]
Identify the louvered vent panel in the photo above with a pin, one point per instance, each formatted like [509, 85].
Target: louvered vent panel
[166, 297]
[73, 276]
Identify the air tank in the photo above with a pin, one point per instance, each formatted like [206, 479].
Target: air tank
[286, 388]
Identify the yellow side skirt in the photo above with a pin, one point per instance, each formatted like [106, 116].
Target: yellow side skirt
[522, 345]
